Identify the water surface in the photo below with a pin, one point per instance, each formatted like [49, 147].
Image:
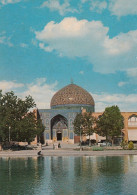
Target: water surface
[69, 175]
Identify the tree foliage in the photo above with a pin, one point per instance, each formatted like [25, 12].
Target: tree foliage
[124, 144]
[84, 123]
[17, 123]
[110, 123]
[78, 124]
[88, 124]
[130, 146]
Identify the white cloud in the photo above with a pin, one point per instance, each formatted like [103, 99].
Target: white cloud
[84, 1]
[34, 42]
[39, 90]
[81, 72]
[116, 7]
[24, 45]
[43, 92]
[132, 72]
[98, 5]
[9, 85]
[54, 5]
[121, 84]
[2, 38]
[126, 103]
[82, 38]
[4, 2]
[123, 7]
[42, 46]
[5, 40]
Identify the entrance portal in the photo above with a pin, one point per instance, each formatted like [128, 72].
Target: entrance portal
[58, 124]
[59, 136]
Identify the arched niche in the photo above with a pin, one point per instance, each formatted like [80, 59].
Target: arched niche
[132, 121]
[59, 124]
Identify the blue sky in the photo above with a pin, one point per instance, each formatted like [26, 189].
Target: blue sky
[45, 44]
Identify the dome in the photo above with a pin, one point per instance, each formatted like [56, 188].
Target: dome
[72, 94]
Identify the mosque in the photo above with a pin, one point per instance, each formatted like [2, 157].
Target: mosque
[65, 104]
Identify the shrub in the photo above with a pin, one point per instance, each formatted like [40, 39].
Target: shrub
[124, 144]
[97, 149]
[130, 146]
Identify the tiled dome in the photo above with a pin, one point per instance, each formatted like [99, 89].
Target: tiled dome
[72, 94]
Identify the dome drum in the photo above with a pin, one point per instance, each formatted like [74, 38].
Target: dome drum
[89, 108]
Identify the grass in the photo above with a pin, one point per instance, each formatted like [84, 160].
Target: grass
[95, 148]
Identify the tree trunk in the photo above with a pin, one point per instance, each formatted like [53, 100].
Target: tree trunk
[80, 140]
[89, 141]
[112, 141]
[106, 139]
[0, 146]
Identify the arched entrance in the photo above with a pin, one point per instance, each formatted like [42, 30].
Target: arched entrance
[59, 136]
[59, 127]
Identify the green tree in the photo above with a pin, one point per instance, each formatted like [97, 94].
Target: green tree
[88, 124]
[110, 123]
[84, 124]
[25, 128]
[18, 123]
[78, 124]
[40, 128]
[124, 144]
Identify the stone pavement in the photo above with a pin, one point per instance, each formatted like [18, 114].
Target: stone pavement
[63, 146]
[65, 152]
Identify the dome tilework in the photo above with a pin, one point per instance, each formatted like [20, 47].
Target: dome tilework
[72, 94]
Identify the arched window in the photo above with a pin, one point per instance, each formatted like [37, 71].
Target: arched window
[132, 121]
[71, 135]
[47, 135]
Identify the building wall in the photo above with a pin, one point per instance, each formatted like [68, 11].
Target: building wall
[129, 130]
[48, 114]
[127, 125]
[69, 112]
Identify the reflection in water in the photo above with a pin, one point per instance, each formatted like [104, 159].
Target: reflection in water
[20, 176]
[68, 175]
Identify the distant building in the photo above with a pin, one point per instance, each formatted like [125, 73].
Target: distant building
[129, 132]
[65, 104]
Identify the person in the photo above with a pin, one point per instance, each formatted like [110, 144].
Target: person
[59, 146]
[39, 153]
[53, 146]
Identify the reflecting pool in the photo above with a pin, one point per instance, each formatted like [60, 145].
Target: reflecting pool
[69, 175]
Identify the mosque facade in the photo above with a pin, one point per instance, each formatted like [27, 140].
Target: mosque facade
[64, 106]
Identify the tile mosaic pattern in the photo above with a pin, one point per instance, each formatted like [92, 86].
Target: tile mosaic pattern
[72, 94]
